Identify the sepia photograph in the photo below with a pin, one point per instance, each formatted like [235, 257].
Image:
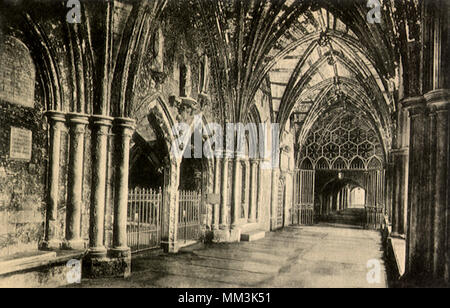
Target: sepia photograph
[236, 146]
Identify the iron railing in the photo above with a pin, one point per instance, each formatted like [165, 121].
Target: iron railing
[189, 216]
[143, 219]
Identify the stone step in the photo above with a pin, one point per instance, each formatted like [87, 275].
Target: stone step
[252, 235]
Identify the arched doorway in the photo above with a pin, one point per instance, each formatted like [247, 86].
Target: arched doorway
[151, 171]
[357, 198]
[337, 200]
[342, 151]
[196, 181]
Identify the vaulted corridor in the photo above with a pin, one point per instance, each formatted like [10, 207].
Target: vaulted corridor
[225, 142]
[321, 256]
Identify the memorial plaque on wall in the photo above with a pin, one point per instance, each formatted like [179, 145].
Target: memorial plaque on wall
[17, 74]
[20, 145]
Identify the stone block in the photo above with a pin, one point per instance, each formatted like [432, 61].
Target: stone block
[252, 235]
[235, 235]
[221, 236]
[106, 267]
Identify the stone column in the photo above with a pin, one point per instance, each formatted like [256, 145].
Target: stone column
[77, 123]
[100, 132]
[216, 212]
[169, 240]
[245, 199]
[236, 202]
[438, 102]
[258, 192]
[274, 201]
[417, 191]
[400, 200]
[52, 238]
[224, 194]
[253, 190]
[123, 129]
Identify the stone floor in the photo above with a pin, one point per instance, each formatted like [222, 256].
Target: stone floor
[317, 256]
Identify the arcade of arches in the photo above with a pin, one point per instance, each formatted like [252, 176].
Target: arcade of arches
[88, 158]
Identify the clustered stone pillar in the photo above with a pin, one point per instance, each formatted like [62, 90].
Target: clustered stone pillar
[428, 200]
[170, 208]
[224, 193]
[236, 202]
[274, 201]
[77, 124]
[123, 129]
[400, 191]
[258, 191]
[438, 103]
[245, 199]
[417, 183]
[215, 207]
[100, 132]
[253, 190]
[52, 240]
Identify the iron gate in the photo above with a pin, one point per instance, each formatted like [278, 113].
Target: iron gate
[303, 209]
[143, 219]
[189, 216]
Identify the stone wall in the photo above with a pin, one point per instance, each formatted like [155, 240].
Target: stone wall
[22, 183]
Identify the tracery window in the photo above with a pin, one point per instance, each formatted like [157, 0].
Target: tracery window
[342, 142]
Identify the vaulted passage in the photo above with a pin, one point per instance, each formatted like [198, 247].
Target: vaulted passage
[248, 133]
[311, 257]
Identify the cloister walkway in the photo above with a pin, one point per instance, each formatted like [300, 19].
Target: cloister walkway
[318, 256]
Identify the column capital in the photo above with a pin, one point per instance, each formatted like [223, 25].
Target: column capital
[124, 125]
[227, 154]
[400, 151]
[56, 116]
[414, 105]
[439, 99]
[77, 118]
[254, 161]
[101, 120]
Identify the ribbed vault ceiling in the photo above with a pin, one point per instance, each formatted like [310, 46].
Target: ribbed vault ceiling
[325, 64]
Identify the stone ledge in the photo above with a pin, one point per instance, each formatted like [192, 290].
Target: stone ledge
[37, 268]
[398, 247]
[29, 260]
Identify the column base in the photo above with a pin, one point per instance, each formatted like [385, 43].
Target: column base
[223, 227]
[221, 236]
[170, 247]
[51, 245]
[227, 236]
[273, 224]
[120, 252]
[106, 267]
[252, 220]
[235, 235]
[97, 252]
[74, 245]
